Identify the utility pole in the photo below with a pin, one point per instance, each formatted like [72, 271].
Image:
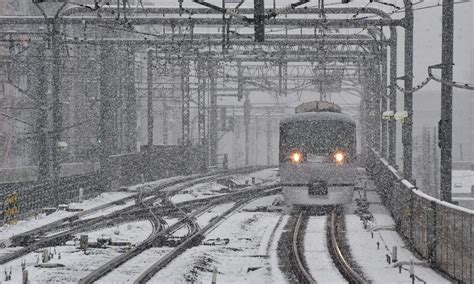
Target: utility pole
[392, 126]
[213, 125]
[436, 169]
[131, 103]
[185, 107]
[246, 127]
[256, 142]
[259, 18]
[57, 105]
[201, 102]
[105, 139]
[446, 125]
[407, 131]
[383, 103]
[55, 39]
[269, 140]
[149, 80]
[42, 118]
[165, 115]
[376, 103]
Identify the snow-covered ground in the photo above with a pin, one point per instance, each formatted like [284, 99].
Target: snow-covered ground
[134, 232]
[253, 240]
[152, 184]
[212, 213]
[373, 261]
[128, 272]
[198, 191]
[264, 201]
[108, 210]
[249, 257]
[210, 189]
[76, 263]
[7, 231]
[263, 176]
[316, 252]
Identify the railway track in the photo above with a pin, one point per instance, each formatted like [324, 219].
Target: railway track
[148, 243]
[297, 263]
[192, 239]
[70, 221]
[335, 237]
[297, 256]
[72, 225]
[194, 236]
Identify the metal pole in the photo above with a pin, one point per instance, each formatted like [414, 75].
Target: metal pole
[213, 117]
[165, 116]
[246, 127]
[407, 129]
[269, 141]
[392, 127]
[383, 105]
[42, 120]
[131, 104]
[203, 141]
[377, 114]
[446, 137]
[149, 78]
[57, 106]
[259, 20]
[185, 107]
[105, 136]
[256, 142]
[223, 27]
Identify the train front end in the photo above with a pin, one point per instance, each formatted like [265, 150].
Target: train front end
[317, 153]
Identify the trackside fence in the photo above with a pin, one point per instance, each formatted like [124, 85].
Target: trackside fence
[439, 231]
[27, 197]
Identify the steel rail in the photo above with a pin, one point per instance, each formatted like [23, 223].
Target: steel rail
[298, 267]
[149, 242]
[121, 259]
[102, 221]
[195, 237]
[76, 217]
[343, 265]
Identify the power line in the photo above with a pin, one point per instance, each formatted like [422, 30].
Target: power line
[467, 86]
[411, 91]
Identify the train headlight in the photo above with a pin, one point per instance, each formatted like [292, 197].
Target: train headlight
[339, 157]
[296, 157]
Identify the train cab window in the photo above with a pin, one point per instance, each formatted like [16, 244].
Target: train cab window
[317, 138]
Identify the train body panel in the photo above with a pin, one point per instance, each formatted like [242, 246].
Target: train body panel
[298, 195]
[317, 152]
[303, 173]
[297, 180]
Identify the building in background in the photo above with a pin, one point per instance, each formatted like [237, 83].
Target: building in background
[16, 7]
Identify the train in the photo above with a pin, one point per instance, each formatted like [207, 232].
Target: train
[317, 154]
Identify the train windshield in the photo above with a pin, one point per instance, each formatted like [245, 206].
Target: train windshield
[317, 137]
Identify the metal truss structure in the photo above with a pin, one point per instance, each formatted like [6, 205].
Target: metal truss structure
[296, 52]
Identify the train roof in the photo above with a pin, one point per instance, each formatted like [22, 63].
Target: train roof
[318, 106]
[318, 116]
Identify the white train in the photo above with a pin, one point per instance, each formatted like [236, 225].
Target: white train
[317, 151]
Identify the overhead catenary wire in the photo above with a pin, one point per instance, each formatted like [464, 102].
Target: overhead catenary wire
[415, 89]
[467, 86]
